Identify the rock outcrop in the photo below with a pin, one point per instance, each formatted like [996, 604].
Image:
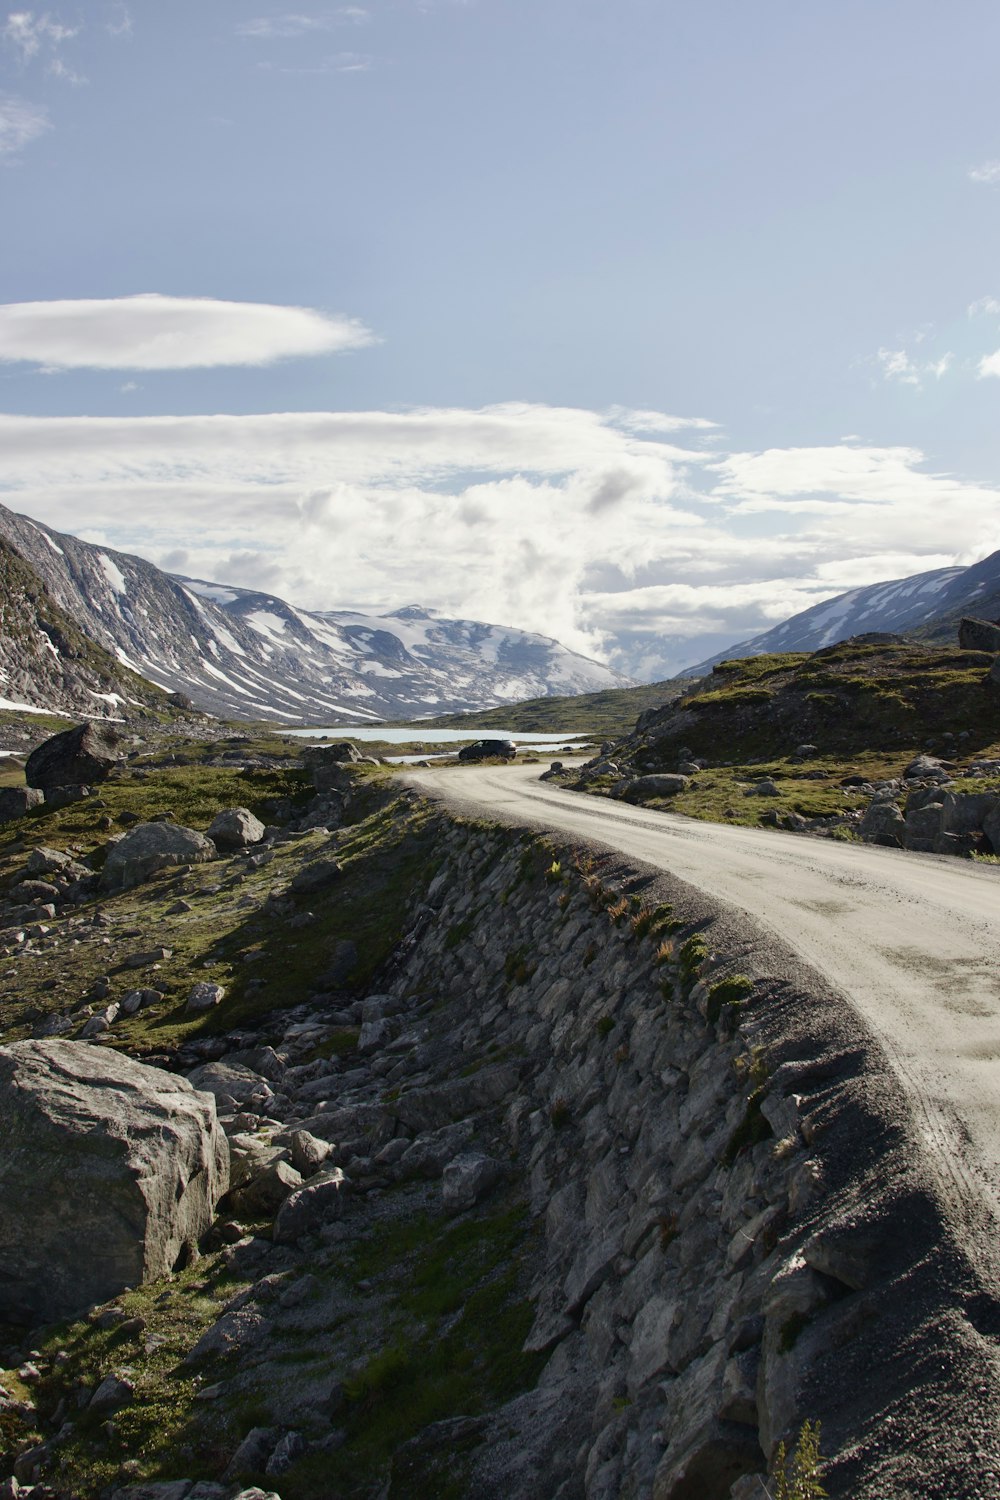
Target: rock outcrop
[104, 1153]
[979, 635]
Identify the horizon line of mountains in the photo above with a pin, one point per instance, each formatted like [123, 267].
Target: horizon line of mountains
[88, 630]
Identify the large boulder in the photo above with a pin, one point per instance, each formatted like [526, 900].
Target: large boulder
[979, 635]
[235, 828]
[76, 757]
[882, 823]
[665, 785]
[149, 847]
[109, 1169]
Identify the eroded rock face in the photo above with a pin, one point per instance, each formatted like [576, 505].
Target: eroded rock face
[76, 757]
[149, 847]
[109, 1168]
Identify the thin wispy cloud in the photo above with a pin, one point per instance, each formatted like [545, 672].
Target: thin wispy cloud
[986, 171]
[897, 365]
[119, 22]
[296, 24]
[340, 62]
[20, 124]
[153, 332]
[59, 69]
[27, 33]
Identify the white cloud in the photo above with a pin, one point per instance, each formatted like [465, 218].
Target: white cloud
[20, 124]
[349, 447]
[296, 24]
[153, 332]
[986, 171]
[27, 33]
[558, 520]
[989, 365]
[985, 305]
[897, 365]
[826, 481]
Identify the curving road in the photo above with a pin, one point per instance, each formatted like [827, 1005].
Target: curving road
[912, 940]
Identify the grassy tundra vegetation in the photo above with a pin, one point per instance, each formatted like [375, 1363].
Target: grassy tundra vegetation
[866, 709]
[444, 1305]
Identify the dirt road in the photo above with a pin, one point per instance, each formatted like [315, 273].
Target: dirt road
[912, 940]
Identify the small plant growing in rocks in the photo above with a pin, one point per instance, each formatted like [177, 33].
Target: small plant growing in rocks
[692, 955]
[605, 1025]
[642, 921]
[728, 993]
[752, 1065]
[796, 1477]
[517, 969]
[619, 910]
[554, 873]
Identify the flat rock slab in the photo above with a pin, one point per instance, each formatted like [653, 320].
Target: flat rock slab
[109, 1168]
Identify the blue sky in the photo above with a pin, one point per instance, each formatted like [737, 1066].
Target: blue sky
[640, 324]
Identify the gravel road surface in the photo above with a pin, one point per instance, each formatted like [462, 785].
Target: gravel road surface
[911, 940]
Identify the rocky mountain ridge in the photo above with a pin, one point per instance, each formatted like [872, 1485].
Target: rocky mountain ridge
[926, 606]
[237, 653]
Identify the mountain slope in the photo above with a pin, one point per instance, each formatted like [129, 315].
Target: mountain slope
[242, 654]
[925, 605]
[47, 662]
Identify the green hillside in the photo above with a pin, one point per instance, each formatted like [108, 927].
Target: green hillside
[607, 714]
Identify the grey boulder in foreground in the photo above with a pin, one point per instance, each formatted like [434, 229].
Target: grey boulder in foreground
[108, 1169]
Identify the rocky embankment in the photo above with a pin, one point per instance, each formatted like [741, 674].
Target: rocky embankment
[561, 1205]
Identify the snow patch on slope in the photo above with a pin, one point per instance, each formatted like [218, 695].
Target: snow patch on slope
[112, 573]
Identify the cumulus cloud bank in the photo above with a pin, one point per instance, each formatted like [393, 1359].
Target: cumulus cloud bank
[154, 332]
[624, 536]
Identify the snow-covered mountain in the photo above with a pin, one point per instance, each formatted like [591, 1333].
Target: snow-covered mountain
[242, 654]
[927, 605]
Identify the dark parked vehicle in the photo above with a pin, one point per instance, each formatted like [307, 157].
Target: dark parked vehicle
[489, 750]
